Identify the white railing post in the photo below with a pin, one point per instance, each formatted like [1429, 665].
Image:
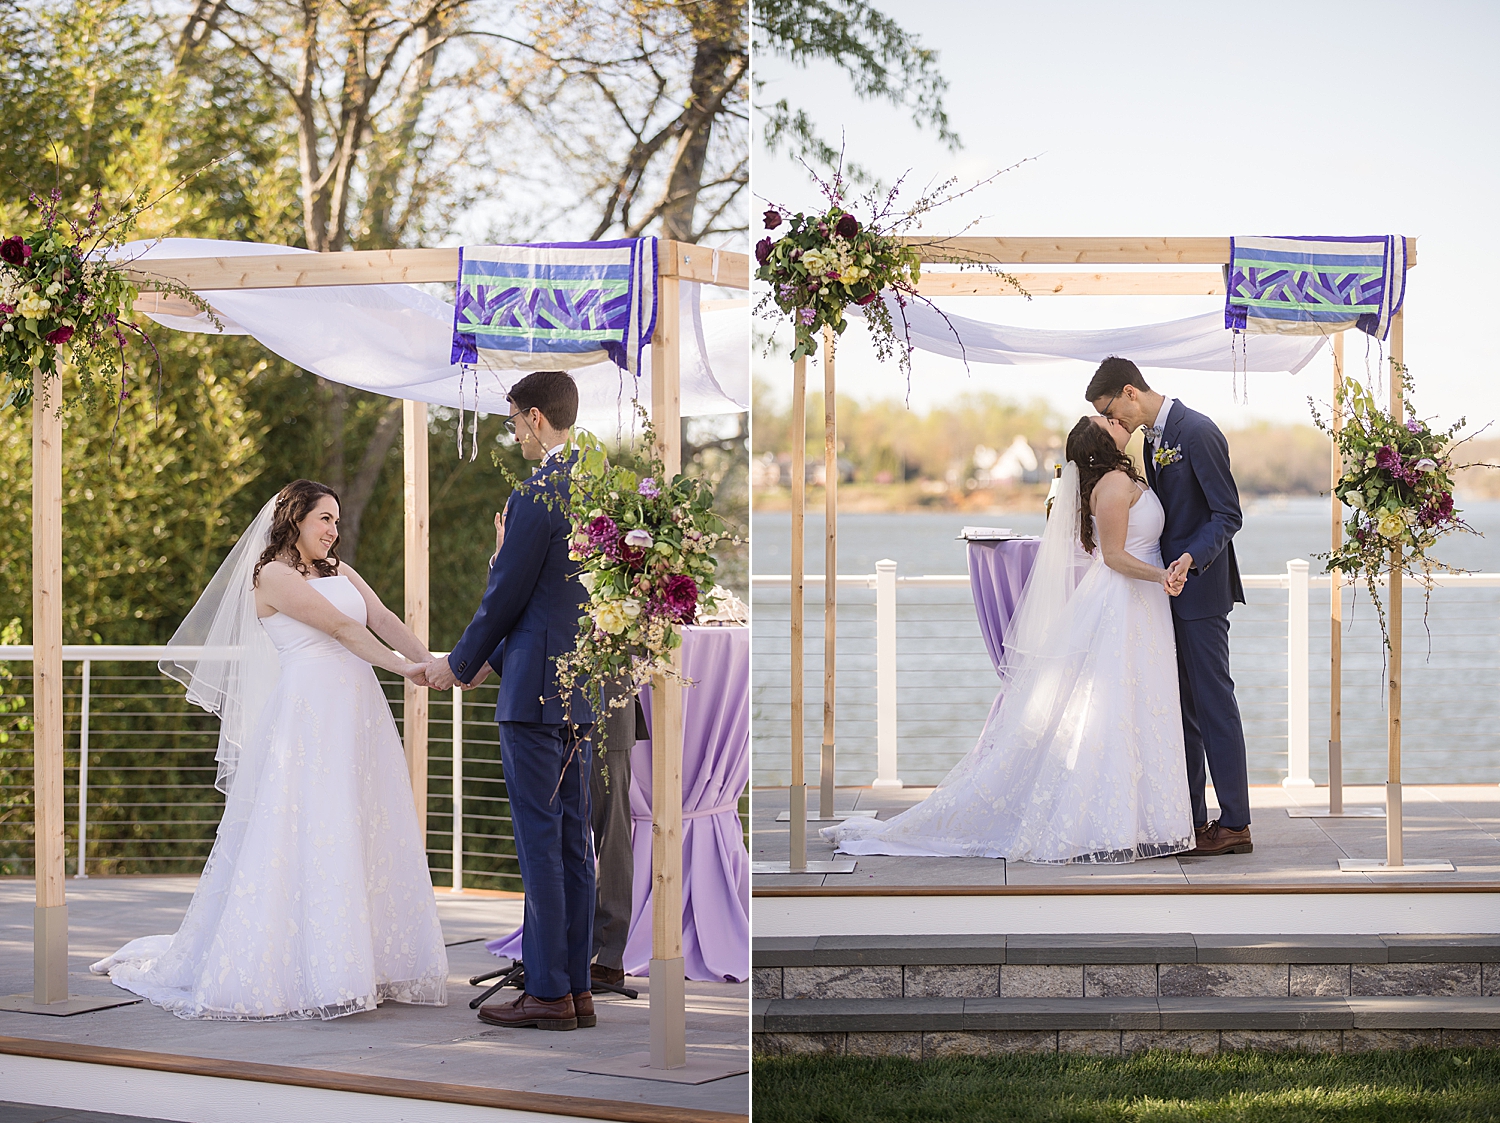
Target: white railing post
[83, 774]
[885, 675]
[458, 790]
[1297, 754]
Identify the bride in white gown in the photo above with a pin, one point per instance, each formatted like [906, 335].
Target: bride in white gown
[1082, 757]
[316, 900]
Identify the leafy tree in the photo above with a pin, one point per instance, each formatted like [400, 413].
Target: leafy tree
[882, 62]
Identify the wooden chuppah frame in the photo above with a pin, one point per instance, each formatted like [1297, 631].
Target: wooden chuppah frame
[677, 262]
[1074, 252]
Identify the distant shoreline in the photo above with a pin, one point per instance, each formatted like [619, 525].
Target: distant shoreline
[894, 499]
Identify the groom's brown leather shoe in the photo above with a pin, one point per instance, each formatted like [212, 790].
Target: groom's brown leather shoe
[1215, 838]
[528, 1010]
[583, 1006]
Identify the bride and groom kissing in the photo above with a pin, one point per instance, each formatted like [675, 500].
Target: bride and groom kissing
[316, 900]
[1116, 701]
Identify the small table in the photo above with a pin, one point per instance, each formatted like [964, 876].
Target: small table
[998, 570]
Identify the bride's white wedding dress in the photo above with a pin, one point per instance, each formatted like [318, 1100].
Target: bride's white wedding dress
[1082, 757]
[316, 901]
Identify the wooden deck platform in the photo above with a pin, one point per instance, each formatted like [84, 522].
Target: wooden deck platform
[393, 1063]
[1291, 883]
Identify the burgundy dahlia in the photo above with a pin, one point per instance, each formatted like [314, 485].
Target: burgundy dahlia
[848, 226]
[59, 336]
[14, 250]
[679, 596]
[772, 218]
[603, 533]
[867, 299]
[1386, 457]
[762, 250]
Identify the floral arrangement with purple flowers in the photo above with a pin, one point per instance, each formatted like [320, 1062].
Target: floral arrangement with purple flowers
[63, 308]
[824, 262]
[1397, 482]
[645, 548]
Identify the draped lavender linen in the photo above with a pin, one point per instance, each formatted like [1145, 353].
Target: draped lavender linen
[715, 770]
[1315, 285]
[997, 577]
[555, 305]
[396, 340]
[1195, 343]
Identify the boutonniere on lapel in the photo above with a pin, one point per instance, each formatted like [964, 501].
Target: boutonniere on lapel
[1165, 455]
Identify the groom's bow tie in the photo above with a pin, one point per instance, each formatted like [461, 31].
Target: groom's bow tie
[1153, 434]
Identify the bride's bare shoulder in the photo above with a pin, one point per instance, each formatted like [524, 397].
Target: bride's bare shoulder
[277, 571]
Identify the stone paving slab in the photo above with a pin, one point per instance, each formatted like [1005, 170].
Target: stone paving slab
[1290, 949]
[1425, 1012]
[844, 1015]
[910, 949]
[1091, 948]
[1255, 1013]
[1443, 949]
[1060, 1013]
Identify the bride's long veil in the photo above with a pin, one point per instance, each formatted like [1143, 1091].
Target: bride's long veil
[1059, 566]
[235, 672]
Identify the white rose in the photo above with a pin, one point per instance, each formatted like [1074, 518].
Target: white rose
[588, 580]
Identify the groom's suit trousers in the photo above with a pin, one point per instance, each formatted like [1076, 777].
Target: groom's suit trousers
[1211, 729]
[555, 850]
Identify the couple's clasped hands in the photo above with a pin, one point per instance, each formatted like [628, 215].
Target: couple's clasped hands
[1175, 575]
[438, 675]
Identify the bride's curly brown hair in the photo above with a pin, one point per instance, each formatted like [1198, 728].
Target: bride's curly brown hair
[1092, 448]
[293, 503]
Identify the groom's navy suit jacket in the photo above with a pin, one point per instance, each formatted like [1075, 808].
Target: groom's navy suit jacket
[1203, 513]
[529, 614]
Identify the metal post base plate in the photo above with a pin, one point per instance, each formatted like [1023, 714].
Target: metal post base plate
[27, 1004]
[838, 817]
[1379, 865]
[838, 865]
[1364, 811]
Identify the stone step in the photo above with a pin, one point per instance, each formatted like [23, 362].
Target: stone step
[1125, 965]
[926, 1027]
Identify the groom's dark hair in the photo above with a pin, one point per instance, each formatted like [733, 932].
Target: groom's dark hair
[1113, 375]
[552, 392]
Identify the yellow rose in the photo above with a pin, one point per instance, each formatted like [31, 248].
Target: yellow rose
[851, 274]
[611, 618]
[1390, 524]
[33, 306]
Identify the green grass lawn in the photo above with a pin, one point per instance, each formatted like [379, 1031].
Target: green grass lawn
[1456, 1085]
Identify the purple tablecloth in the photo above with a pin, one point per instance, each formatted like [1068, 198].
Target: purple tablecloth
[715, 770]
[997, 575]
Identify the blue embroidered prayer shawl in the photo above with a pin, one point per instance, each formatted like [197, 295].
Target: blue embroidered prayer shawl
[1315, 285]
[555, 305]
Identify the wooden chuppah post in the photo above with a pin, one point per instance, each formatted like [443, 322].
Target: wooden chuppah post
[50, 932]
[668, 994]
[415, 701]
[797, 801]
[1393, 848]
[830, 578]
[1336, 605]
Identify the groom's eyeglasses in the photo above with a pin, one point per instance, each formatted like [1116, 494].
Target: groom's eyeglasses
[1105, 412]
[510, 422]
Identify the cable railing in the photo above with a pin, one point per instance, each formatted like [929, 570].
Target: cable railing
[915, 683]
[139, 772]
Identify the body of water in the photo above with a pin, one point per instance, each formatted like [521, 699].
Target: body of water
[1451, 706]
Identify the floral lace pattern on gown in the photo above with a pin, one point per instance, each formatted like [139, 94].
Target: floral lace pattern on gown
[1082, 757]
[316, 900]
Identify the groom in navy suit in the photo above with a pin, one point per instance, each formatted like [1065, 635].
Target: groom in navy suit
[1187, 465]
[527, 618]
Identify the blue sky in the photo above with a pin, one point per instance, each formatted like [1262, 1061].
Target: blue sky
[1195, 119]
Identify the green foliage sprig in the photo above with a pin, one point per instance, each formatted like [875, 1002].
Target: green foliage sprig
[1397, 482]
